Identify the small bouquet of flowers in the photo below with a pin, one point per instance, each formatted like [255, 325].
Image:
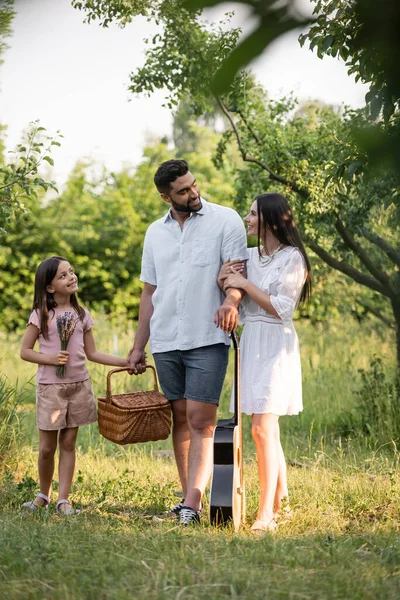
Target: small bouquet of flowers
[66, 324]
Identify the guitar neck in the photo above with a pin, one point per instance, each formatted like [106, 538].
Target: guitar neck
[237, 407]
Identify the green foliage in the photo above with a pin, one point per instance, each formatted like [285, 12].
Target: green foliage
[180, 54]
[345, 209]
[349, 219]
[9, 423]
[364, 34]
[19, 179]
[6, 16]
[99, 223]
[182, 51]
[273, 20]
[376, 414]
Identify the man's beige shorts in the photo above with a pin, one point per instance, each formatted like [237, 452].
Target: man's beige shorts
[64, 405]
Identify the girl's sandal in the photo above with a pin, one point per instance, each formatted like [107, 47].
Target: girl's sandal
[262, 528]
[34, 507]
[68, 510]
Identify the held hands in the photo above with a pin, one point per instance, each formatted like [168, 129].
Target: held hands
[136, 361]
[61, 358]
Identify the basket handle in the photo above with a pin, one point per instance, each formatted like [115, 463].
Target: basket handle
[108, 392]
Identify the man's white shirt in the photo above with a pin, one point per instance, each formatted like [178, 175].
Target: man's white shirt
[184, 265]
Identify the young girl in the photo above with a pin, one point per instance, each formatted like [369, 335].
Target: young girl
[278, 279]
[62, 404]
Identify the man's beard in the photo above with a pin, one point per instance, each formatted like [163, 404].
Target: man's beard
[186, 209]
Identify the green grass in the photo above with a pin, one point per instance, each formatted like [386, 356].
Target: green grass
[342, 543]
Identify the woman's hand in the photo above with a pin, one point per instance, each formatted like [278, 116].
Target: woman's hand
[229, 266]
[61, 358]
[235, 280]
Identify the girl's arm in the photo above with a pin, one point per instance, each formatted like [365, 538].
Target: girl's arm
[29, 354]
[100, 357]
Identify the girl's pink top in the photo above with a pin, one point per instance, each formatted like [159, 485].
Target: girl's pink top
[75, 369]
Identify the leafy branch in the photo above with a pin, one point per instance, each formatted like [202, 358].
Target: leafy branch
[19, 177]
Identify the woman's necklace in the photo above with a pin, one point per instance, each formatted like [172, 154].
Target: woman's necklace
[265, 260]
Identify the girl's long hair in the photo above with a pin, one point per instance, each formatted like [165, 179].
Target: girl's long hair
[275, 214]
[43, 301]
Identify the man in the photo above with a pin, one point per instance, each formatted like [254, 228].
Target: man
[182, 255]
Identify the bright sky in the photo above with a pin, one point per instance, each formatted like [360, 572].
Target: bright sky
[73, 77]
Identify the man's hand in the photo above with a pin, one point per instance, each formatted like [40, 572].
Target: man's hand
[227, 316]
[136, 361]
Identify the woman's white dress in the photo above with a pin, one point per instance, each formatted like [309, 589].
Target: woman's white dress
[269, 348]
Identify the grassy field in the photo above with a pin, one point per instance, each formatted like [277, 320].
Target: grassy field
[343, 541]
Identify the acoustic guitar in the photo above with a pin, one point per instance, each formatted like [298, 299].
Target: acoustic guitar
[227, 496]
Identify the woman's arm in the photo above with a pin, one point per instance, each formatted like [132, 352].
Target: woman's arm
[289, 284]
[100, 357]
[236, 280]
[229, 266]
[29, 354]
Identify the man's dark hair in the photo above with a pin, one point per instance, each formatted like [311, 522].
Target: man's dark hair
[167, 172]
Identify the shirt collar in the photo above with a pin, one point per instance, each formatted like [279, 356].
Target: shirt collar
[204, 209]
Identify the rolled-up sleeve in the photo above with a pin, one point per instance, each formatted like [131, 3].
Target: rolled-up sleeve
[234, 243]
[290, 285]
[148, 272]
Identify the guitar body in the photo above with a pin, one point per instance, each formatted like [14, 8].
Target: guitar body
[227, 500]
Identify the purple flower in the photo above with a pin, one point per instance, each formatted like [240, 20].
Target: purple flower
[66, 324]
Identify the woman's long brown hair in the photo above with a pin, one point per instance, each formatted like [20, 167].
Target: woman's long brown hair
[43, 301]
[275, 214]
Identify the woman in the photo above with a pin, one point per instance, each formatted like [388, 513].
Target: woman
[278, 280]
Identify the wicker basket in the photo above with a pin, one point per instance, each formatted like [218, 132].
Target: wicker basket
[134, 417]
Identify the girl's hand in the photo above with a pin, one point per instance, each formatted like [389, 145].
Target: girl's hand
[235, 280]
[230, 266]
[61, 358]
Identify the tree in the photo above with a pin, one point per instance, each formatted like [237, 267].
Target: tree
[364, 33]
[19, 178]
[273, 20]
[98, 223]
[346, 211]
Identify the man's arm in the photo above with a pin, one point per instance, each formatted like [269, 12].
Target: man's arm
[137, 355]
[227, 316]
[234, 245]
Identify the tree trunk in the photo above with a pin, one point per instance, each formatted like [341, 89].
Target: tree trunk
[396, 313]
